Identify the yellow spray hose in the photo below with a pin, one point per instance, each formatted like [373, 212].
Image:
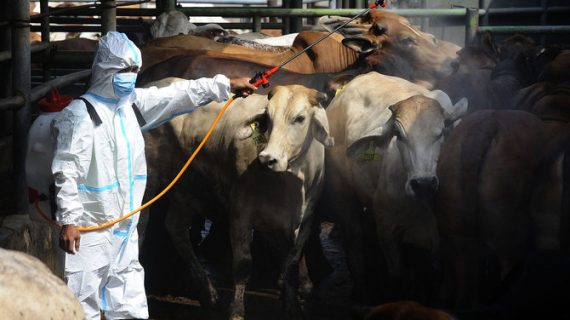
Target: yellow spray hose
[163, 192]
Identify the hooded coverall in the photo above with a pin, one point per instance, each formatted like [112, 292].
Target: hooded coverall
[100, 175]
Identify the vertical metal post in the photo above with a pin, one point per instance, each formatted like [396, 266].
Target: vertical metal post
[424, 20]
[5, 68]
[256, 23]
[169, 5]
[108, 16]
[286, 20]
[471, 25]
[485, 5]
[44, 9]
[543, 19]
[21, 79]
[296, 23]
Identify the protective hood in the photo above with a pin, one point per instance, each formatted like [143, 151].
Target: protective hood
[114, 52]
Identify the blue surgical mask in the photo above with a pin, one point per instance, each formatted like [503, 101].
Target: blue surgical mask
[124, 83]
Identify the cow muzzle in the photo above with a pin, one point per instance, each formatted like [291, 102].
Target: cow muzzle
[422, 187]
[272, 162]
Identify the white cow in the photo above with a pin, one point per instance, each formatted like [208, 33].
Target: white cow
[29, 291]
[274, 195]
[388, 133]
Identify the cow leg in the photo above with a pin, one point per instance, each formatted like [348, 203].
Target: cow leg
[292, 264]
[240, 237]
[177, 223]
[390, 249]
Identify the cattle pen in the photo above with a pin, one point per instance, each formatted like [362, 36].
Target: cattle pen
[32, 69]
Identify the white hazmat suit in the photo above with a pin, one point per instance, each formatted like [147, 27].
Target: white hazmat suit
[100, 174]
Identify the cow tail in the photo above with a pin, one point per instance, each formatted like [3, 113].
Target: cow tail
[473, 153]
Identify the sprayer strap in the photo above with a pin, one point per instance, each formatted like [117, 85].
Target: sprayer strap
[92, 113]
[97, 120]
[139, 115]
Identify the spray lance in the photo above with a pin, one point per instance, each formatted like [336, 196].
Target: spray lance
[262, 78]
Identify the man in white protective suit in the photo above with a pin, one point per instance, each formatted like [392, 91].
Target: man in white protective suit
[99, 168]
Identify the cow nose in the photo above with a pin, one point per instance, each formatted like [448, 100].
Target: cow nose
[267, 159]
[425, 186]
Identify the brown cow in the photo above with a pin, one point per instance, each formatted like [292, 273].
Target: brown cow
[328, 56]
[395, 47]
[196, 66]
[489, 172]
[226, 180]
[423, 60]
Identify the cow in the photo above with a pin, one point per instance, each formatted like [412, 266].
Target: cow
[387, 133]
[395, 47]
[196, 66]
[500, 198]
[420, 58]
[29, 290]
[328, 56]
[264, 145]
[174, 23]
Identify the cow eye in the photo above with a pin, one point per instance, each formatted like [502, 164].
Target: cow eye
[408, 41]
[299, 119]
[378, 30]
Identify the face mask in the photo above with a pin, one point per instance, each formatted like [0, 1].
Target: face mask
[124, 83]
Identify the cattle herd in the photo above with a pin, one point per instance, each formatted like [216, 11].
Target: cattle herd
[443, 169]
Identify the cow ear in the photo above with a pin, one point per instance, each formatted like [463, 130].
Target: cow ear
[359, 44]
[244, 132]
[321, 127]
[331, 23]
[363, 148]
[459, 109]
[489, 45]
[318, 98]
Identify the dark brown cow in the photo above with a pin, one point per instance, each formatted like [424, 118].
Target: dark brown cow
[499, 197]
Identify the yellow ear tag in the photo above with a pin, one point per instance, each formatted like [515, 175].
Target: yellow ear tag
[338, 90]
[370, 153]
[257, 136]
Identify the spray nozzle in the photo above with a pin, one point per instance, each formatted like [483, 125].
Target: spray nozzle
[378, 3]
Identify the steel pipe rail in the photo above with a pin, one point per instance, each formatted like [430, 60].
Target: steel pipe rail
[526, 10]
[36, 47]
[61, 81]
[275, 12]
[93, 7]
[16, 102]
[524, 29]
[12, 103]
